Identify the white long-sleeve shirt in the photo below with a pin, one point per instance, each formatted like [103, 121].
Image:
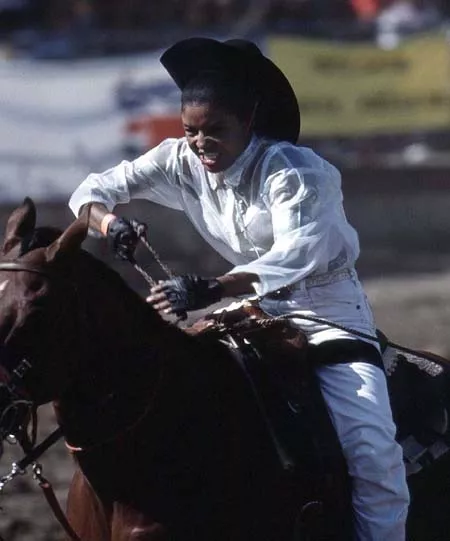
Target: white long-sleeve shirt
[276, 212]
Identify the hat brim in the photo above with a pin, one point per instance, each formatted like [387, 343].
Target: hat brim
[277, 115]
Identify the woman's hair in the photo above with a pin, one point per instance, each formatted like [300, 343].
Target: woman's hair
[232, 95]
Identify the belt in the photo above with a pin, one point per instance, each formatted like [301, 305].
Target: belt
[311, 281]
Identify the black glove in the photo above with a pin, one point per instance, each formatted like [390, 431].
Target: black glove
[191, 292]
[123, 236]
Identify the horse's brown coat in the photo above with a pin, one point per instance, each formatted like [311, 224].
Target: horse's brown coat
[173, 447]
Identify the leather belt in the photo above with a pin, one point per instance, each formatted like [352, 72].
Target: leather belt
[311, 281]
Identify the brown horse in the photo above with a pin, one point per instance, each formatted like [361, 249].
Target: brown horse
[169, 440]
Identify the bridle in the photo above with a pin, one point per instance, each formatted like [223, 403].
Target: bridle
[22, 266]
[10, 383]
[10, 389]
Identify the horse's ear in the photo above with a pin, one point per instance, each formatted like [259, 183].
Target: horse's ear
[20, 222]
[70, 241]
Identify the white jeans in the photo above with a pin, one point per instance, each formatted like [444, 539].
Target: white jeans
[357, 399]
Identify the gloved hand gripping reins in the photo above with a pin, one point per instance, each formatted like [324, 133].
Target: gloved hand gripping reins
[142, 236]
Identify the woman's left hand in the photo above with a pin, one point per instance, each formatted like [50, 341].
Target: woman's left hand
[158, 299]
[185, 293]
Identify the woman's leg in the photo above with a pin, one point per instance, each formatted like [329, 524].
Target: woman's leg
[357, 399]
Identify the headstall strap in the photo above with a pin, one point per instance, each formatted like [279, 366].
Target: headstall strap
[20, 266]
[17, 376]
[16, 401]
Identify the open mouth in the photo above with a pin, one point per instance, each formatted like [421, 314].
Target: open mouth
[209, 159]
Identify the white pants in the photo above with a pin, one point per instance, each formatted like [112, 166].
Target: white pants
[357, 399]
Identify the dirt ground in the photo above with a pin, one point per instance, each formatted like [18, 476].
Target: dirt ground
[412, 310]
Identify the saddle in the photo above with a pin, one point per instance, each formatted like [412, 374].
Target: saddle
[279, 364]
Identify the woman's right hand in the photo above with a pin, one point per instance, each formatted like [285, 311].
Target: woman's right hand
[123, 235]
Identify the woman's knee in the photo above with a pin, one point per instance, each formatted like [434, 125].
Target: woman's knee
[375, 456]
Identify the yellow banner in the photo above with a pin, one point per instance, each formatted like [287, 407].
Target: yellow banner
[350, 89]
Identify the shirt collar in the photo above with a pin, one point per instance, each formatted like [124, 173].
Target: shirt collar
[232, 176]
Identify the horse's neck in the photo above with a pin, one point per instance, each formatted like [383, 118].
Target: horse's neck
[115, 317]
[109, 394]
[124, 344]
[184, 412]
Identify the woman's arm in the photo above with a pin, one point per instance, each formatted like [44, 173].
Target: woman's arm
[240, 283]
[99, 217]
[151, 176]
[194, 292]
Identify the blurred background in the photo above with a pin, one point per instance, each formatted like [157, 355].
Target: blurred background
[81, 88]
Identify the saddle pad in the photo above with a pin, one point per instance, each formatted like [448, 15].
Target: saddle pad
[417, 383]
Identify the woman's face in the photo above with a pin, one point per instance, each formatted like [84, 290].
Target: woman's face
[215, 136]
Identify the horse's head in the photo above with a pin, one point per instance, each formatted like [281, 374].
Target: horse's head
[36, 296]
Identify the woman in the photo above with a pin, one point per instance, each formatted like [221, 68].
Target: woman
[274, 210]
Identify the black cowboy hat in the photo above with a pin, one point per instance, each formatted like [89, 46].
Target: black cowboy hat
[277, 115]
